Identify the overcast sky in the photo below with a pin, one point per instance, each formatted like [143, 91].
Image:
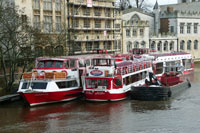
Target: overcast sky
[162, 2]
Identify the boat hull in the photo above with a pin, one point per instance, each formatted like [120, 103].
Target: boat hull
[158, 93]
[99, 96]
[38, 98]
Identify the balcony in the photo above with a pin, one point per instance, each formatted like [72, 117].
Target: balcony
[92, 37]
[94, 3]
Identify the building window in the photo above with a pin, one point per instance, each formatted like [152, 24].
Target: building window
[97, 23]
[97, 12]
[86, 11]
[47, 24]
[182, 44]
[189, 45]
[143, 44]
[159, 47]
[195, 28]
[107, 13]
[182, 28]
[107, 24]
[189, 28]
[115, 44]
[153, 45]
[129, 46]
[136, 45]
[36, 4]
[171, 46]
[127, 32]
[88, 46]
[36, 22]
[47, 4]
[76, 23]
[134, 32]
[58, 23]
[107, 45]
[58, 5]
[86, 23]
[196, 45]
[166, 46]
[59, 51]
[96, 45]
[119, 44]
[141, 32]
[77, 46]
[172, 29]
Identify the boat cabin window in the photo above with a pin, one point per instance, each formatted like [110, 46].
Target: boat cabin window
[117, 82]
[67, 84]
[95, 83]
[58, 64]
[34, 85]
[49, 63]
[187, 63]
[103, 62]
[41, 64]
[66, 64]
[81, 63]
[159, 68]
[72, 63]
[87, 62]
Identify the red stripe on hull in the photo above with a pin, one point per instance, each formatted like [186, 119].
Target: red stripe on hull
[188, 71]
[36, 98]
[104, 96]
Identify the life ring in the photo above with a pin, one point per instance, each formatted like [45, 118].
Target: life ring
[66, 73]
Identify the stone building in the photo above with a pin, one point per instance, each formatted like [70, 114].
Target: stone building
[86, 25]
[93, 25]
[182, 20]
[137, 26]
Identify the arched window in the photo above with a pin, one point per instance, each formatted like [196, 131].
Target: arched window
[129, 46]
[196, 44]
[135, 17]
[182, 45]
[143, 44]
[49, 51]
[189, 44]
[39, 51]
[136, 44]
[171, 46]
[153, 45]
[59, 51]
[159, 46]
[165, 46]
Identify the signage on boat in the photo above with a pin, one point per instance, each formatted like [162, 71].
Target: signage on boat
[137, 56]
[96, 72]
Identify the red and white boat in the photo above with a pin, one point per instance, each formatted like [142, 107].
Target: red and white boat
[110, 79]
[162, 61]
[53, 80]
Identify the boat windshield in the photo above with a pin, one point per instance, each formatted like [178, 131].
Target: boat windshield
[95, 83]
[34, 85]
[50, 64]
[103, 62]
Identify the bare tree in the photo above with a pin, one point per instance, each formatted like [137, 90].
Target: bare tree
[16, 41]
[141, 4]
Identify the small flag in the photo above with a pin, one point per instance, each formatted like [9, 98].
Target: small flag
[105, 33]
[89, 3]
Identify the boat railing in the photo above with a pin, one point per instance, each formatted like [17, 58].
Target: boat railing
[44, 76]
[131, 68]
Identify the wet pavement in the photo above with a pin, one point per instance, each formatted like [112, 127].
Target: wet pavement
[178, 115]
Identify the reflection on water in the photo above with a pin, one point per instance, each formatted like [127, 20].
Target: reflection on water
[178, 115]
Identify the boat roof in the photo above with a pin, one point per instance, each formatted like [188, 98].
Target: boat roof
[170, 54]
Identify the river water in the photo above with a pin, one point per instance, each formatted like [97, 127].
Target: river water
[178, 115]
